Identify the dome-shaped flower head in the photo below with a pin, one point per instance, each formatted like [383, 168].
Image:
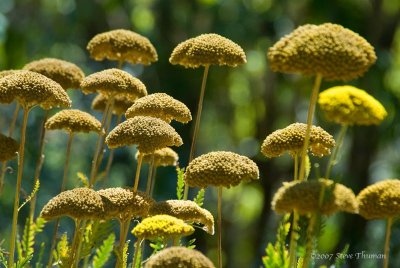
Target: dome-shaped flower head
[73, 121]
[185, 210]
[162, 157]
[113, 82]
[124, 204]
[207, 49]
[31, 89]
[181, 257]
[303, 197]
[148, 133]
[380, 200]
[78, 203]
[348, 105]
[162, 106]
[67, 74]
[121, 103]
[8, 72]
[8, 148]
[220, 169]
[291, 139]
[328, 49]
[122, 45]
[164, 226]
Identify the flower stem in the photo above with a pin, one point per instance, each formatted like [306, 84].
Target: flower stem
[75, 244]
[220, 227]
[150, 175]
[293, 241]
[153, 180]
[333, 158]
[296, 167]
[123, 232]
[139, 165]
[111, 155]
[135, 255]
[387, 242]
[310, 240]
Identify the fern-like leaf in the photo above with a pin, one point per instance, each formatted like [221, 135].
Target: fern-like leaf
[62, 253]
[104, 251]
[180, 183]
[83, 179]
[33, 193]
[95, 233]
[340, 261]
[38, 263]
[199, 199]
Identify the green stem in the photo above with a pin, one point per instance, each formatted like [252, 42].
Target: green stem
[123, 232]
[150, 175]
[296, 167]
[135, 255]
[387, 242]
[293, 241]
[139, 165]
[120, 63]
[219, 227]
[75, 244]
[333, 158]
[310, 241]
[153, 180]
[111, 155]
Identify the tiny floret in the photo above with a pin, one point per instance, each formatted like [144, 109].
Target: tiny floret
[73, 121]
[121, 103]
[8, 148]
[162, 157]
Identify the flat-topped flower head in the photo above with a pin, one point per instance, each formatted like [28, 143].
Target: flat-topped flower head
[162, 106]
[122, 45]
[113, 82]
[73, 121]
[220, 168]
[303, 197]
[328, 49]
[148, 133]
[164, 226]
[380, 200]
[291, 140]
[181, 257]
[8, 148]
[31, 89]
[78, 203]
[8, 72]
[121, 103]
[162, 157]
[207, 49]
[185, 210]
[348, 105]
[67, 74]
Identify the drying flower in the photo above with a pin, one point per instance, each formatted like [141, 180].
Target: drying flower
[78, 203]
[162, 157]
[185, 210]
[121, 103]
[67, 74]
[328, 49]
[349, 105]
[8, 148]
[113, 82]
[181, 257]
[291, 139]
[220, 169]
[30, 89]
[162, 106]
[207, 49]
[148, 133]
[380, 200]
[303, 197]
[162, 226]
[73, 121]
[122, 45]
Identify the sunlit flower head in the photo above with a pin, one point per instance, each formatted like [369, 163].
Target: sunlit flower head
[73, 121]
[8, 148]
[121, 103]
[162, 157]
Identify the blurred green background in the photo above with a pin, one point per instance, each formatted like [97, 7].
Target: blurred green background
[242, 105]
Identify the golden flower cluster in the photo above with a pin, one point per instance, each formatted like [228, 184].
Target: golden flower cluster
[185, 210]
[181, 257]
[121, 103]
[207, 49]
[348, 105]
[31, 89]
[220, 169]
[162, 106]
[8, 72]
[8, 148]
[303, 197]
[291, 140]
[162, 157]
[164, 226]
[328, 49]
[67, 74]
[122, 45]
[148, 133]
[380, 200]
[73, 121]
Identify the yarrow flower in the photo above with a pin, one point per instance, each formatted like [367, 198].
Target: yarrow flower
[291, 140]
[73, 121]
[348, 105]
[8, 72]
[328, 49]
[8, 148]
[162, 157]
[121, 103]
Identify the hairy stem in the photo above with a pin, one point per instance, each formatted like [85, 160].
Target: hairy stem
[139, 165]
[123, 232]
[387, 242]
[219, 227]
[333, 158]
[150, 176]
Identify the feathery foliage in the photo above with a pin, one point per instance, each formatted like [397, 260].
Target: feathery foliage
[103, 253]
[180, 183]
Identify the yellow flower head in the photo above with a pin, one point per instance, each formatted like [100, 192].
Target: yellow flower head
[162, 106]
[8, 72]
[122, 45]
[162, 157]
[113, 82]
[291, 140]
[303, 197]
[121, 103]
[380, 200]
[328, 49]
[207, 49]
[124, 204]
[8, 148]
[73, 121]
[220, 169]
[164, 226]
[78, 203]
[31, 89]
[148, 133]
[185, 210]
[67, 74]
[181, 257]
[348, 105]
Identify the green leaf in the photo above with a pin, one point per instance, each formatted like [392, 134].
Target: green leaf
[83, 179]
[340, 261]
[103, 253]
[191, 244]
[94, 235]
[34, 191]
[62, 253]
[180, 183]
[40, 256]
[199, 199]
